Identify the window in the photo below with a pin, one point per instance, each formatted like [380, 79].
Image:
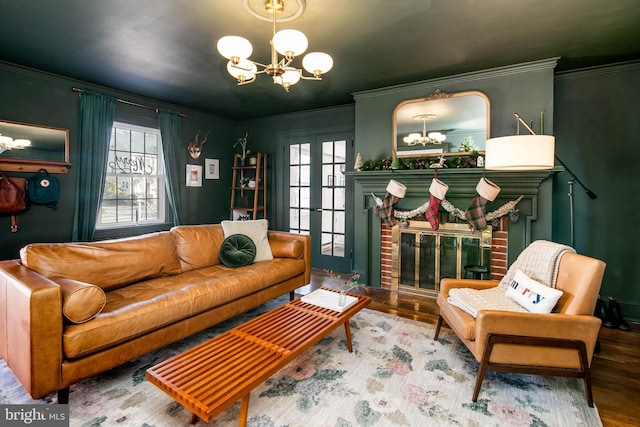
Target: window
[134, 191]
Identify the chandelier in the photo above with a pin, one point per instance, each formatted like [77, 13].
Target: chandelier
[8, 143]
[288, 43]
[424, 139]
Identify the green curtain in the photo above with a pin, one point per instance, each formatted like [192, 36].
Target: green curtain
[170, 132]
[97, 112]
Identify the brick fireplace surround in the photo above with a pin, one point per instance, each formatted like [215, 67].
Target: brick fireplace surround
[499, 246]
[372, 239]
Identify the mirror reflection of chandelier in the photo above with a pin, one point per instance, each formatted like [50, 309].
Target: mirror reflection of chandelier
[8, 143]
[424, 139]
[289, 43]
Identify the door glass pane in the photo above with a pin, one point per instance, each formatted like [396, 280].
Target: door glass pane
[448, 256]
[305, 154]
[338, 222]
[338, 245]
[305, 175]
[304, 219]
[428, 261]
[327, 198]
[327, 176]
[294, 154]
[327, 244]
[407, 259]
[327, 221]
[327, 152]
[340, 148]
[294, 197]
[339, 201]
[294, 219]
[294, 175]
[305, 197]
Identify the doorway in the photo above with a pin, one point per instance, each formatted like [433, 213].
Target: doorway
[317, 202]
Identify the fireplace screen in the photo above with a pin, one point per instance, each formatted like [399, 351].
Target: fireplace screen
[422, 256]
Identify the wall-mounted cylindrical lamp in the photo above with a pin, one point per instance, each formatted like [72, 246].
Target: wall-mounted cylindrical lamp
[520, 152]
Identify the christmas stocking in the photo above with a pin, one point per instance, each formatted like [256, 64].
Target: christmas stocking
[395, 192]
[437, 191]
[487, 192]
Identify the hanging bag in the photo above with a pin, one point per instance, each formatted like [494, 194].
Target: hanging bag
[13, 198]
[43, 189]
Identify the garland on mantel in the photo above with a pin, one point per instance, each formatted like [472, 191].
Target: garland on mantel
[507, 208]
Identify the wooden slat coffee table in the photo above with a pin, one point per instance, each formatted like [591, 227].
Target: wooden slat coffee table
[210, 377]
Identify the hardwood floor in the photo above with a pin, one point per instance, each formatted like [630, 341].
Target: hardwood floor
[615, 370]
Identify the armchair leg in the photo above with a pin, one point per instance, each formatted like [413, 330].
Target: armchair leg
[485, 365]
[292, 295]
[438, 326]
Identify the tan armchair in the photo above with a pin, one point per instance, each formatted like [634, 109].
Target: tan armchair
[559, 344]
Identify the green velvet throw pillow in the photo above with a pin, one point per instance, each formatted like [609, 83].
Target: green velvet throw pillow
[237, 250]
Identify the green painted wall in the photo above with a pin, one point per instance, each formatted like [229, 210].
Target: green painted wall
[34, 97]
[598, 136]
[526, 89]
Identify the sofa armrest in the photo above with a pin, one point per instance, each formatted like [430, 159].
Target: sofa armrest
[31, 329]
[554, 325]
[447, 284]
[280, 245]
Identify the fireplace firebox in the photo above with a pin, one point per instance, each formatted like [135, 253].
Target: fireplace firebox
[422, 256]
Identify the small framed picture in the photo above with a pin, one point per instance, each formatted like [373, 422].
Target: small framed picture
[211, 168]
[194, 176]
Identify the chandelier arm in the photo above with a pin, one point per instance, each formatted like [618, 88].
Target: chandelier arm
[303, 77]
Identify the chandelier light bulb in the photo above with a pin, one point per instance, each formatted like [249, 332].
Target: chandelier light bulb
[290, 77]
[234, 48]
[290, 43]
[243, 71]
[317, 63]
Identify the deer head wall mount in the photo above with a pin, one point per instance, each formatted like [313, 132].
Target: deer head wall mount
[195, 146]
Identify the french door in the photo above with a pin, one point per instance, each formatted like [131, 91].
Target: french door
[317, 197]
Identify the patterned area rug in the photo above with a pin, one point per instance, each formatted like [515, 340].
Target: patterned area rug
[396, 376]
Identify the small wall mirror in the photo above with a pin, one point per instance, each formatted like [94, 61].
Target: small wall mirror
[440, 124]
[27, 148]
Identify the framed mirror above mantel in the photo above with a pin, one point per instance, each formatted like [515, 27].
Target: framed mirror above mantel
[440, 124]
[29, 148]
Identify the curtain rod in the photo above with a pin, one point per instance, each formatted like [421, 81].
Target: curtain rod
[123, 101]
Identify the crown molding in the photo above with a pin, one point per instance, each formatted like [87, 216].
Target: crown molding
[526, 67]
[601, 70]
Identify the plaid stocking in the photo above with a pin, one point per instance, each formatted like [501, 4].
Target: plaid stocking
[432, 211]
[487, 191]
[475, 213]
[386, 210]
[437, 191]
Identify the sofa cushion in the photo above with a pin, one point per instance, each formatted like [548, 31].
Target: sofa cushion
[237, 250]
[198, 246]
[81, 301]
[109, 264]
[143, 307]
[287, 248]
[256, 230]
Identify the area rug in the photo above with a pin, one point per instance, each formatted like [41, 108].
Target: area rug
[396, 376]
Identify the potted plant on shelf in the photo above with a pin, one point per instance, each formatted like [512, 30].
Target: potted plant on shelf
[242, 143]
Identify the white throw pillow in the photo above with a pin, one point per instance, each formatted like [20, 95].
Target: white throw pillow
[532, 295]
[256, 230]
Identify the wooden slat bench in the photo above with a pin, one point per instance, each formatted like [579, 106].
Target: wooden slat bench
[210, 377]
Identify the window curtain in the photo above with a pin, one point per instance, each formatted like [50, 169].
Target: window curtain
[97, 112]
[170, 132]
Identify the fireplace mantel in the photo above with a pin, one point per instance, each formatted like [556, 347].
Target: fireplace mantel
[535, 207]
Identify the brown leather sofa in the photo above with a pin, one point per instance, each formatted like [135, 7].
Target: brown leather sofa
[158, 288]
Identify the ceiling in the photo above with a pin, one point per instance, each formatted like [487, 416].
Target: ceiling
[166, 49]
